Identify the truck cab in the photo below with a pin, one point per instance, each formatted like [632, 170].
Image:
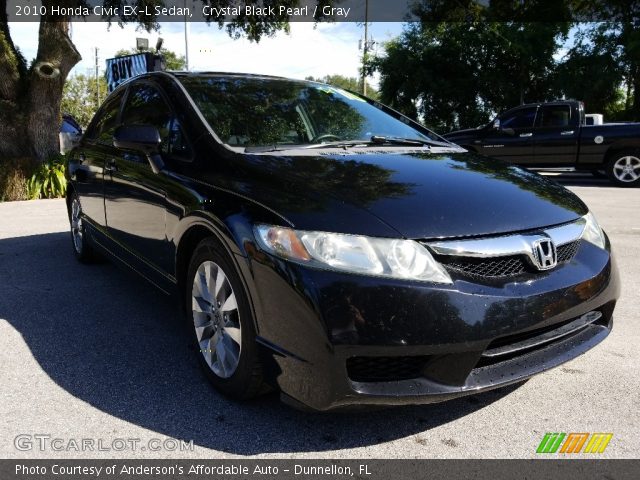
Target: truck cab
[556, 134]
[533, 134]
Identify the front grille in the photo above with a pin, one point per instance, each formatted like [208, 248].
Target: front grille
[496, 267]
[510, 346]
[567, 251]
[385, 369]
[483, 267]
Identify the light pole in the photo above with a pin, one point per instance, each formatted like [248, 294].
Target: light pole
[97, 79]
[365, 48]
[186, 38]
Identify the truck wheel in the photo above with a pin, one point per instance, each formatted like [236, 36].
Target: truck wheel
[623, 168]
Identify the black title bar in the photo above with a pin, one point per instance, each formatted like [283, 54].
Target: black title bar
[149, 12]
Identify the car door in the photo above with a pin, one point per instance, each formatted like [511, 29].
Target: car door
[556, 135]
[510, 138]
[87, 164]
[135, 196]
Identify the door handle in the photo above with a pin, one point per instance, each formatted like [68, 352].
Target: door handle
[567, 132]
[526, 134]
[111, 166]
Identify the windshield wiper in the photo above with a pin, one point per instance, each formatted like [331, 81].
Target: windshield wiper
[381, 140]
[374, 140]
[262, 148]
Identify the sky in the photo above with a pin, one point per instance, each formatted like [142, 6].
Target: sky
[316, 50]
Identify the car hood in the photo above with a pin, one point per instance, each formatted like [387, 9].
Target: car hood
[419, 195]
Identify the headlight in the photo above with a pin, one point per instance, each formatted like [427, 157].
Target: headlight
[382, 257]
[592, 232]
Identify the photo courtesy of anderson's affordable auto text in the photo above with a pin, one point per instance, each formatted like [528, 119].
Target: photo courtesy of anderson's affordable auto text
[304, 239]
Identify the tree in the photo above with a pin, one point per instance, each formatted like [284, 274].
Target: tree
[80, 97]
[603, 69]
[462, 73]
[30, 97]
[347, 83]
[172, 60]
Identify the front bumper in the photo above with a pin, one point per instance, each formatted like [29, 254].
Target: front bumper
[333, 340]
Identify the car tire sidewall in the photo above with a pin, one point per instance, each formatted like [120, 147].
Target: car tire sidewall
[612, 161]
[246, 381]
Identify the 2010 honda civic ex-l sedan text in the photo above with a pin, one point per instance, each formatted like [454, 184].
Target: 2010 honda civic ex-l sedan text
[325, 245]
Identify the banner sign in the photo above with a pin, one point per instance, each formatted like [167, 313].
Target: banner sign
[123, 68]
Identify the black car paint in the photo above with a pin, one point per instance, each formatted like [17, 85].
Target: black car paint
[578, 145]
[310, 321]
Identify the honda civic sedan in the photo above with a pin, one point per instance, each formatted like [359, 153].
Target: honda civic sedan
[323, 245]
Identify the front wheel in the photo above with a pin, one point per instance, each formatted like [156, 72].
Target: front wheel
[221, 323]
[623, 168]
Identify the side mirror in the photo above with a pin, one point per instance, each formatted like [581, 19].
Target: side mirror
[508, 131]
[496, 124]
[140, 138]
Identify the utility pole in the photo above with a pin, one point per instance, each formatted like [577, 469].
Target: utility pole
[365, 47]
[97, 79]
[186, 38]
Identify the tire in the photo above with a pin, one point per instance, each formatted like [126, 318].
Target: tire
[623, 168]
[221, 323]
[82, 249]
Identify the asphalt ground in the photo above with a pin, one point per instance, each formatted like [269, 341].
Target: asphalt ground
[94, 353]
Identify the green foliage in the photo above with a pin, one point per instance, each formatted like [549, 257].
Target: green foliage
[172, 60]
[463, 73]
[80, 97]
[48, 181]
[352, 84]
[603, 69]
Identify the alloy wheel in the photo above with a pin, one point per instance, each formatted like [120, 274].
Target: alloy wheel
[216, 319]
[627, 169]
[76, 225]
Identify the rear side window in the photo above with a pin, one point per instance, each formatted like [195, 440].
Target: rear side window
[521, 118]
[103, 128]
[555, 116]
[145, 106]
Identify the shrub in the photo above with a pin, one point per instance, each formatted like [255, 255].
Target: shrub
[48, 180]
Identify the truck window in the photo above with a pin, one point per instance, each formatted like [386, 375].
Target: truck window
[521, 118]
[555, 116]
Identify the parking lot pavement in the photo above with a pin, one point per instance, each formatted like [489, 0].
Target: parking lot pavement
[91, 352]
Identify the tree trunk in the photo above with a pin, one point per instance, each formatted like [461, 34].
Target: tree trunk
[30, 100]
[11, 71]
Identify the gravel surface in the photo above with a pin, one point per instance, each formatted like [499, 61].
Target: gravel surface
[92, 352]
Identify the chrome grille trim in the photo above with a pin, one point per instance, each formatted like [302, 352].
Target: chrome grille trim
[508, 245]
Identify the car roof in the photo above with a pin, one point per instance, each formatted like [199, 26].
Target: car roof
[537, 104]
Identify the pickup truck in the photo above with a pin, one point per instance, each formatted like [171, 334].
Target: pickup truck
[556, 134]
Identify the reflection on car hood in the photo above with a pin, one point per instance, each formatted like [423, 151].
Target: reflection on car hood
[419, 195]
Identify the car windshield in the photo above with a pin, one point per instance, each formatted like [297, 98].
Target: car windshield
[259, 112]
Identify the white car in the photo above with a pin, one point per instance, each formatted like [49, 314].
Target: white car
[70, 133]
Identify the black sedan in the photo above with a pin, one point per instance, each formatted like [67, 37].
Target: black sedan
[324, 245]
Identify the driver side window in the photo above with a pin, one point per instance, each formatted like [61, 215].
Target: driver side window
[145, 106]
[518, 119]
